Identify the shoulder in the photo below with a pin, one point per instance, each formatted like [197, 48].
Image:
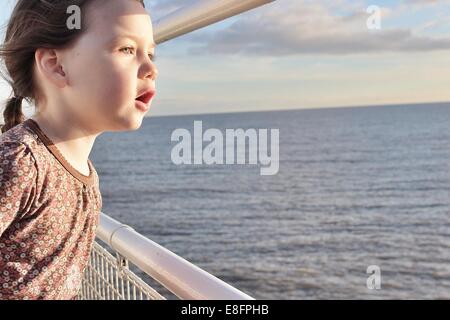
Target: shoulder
[22, 138]
[20, 135]
[16, 155]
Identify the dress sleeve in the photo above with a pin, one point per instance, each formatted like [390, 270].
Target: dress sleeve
[18, 173]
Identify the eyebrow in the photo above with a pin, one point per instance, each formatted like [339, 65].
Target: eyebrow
[138, 39]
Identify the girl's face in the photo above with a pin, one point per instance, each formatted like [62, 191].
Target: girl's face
[111, 65]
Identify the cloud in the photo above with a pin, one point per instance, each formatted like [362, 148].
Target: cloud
[424, 2]
[296, 27]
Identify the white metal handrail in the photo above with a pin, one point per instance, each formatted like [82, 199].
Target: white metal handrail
[179, 276]
[199, 15]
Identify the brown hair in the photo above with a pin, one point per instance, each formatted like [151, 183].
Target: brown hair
[33, 24]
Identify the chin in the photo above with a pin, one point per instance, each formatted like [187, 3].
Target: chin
[131, 123]
[135, 124]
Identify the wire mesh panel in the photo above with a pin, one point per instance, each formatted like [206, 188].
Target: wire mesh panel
[109, 278]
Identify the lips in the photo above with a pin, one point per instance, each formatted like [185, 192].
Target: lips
[146, 96]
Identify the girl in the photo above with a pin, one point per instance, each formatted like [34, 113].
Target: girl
[83, 80]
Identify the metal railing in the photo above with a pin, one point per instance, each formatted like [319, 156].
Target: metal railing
[201, 14]
[109, 277]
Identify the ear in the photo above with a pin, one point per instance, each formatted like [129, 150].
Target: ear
[48, 63]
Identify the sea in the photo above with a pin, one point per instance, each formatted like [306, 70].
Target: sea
[361, 192]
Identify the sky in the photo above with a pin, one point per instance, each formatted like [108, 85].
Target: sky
[293, 54]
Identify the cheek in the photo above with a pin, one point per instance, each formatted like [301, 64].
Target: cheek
[108, 80]
[113, 82]
[113, 76]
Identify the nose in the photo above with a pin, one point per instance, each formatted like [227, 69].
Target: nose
[149, 70]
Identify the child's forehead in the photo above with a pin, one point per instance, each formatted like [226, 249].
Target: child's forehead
[117, 7]
[131, 24]
[129, 14]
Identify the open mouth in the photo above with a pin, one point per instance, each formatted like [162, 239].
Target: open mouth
[146, 96]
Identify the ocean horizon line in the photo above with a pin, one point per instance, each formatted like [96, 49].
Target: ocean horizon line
[301, 109]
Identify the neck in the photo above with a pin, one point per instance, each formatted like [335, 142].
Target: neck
[73, 140]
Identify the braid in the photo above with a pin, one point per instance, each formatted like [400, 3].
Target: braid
[13, 113]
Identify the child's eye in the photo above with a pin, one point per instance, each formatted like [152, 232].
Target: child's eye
[130, 49]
